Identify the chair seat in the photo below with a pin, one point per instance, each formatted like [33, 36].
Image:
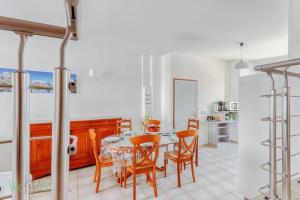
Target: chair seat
[106, 160]
[146, 166]
[173, 155]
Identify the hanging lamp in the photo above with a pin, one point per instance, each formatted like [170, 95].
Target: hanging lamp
[242, 64]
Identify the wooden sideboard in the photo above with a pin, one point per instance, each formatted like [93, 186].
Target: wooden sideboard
[40, 150]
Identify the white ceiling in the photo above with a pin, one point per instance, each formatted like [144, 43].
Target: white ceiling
[209, 28]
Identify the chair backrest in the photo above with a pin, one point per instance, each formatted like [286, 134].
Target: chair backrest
[187, 148]
[93, 137]
[145, 153]
[124, 125]
[193, 124]
[152, 125]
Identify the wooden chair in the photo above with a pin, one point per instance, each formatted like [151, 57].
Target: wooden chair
[184, 154]
[194, 124]
[152, 125]
[101, 161]
[144, 160]
[124, 125]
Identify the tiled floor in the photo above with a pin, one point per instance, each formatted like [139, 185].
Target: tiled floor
[216, 179]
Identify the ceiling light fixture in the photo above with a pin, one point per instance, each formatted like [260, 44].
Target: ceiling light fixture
[242, 64]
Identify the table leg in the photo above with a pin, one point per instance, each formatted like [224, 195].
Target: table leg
[127, 175]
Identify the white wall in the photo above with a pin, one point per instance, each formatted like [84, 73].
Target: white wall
[232, 82]
[251, 132]
[157, 86]
[166, 89]
[209, 73]
[294, 29]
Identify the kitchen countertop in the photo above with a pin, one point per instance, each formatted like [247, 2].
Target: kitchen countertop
[220, 122]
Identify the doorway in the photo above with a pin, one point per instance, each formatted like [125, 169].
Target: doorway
[185, 102]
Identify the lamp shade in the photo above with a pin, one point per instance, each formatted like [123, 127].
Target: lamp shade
[241, 65]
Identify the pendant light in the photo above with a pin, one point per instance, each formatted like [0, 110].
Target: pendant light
[242, 64]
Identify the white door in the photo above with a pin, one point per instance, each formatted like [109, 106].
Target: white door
[185, 102]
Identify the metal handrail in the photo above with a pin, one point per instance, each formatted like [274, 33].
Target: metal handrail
[38, 138]
[271, 66]
[6, 197]
[5, 141]
[267, 145]
[268, 119]
[273, 172]
[32, 192]
[263, 188]
[278, 95]
[293, 135]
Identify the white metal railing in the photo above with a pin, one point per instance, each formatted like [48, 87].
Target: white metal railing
[270, 190]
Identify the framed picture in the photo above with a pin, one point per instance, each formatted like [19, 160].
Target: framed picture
[6, 79]
[40, 82]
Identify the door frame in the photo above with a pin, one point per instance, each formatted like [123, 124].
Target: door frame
[180, 79]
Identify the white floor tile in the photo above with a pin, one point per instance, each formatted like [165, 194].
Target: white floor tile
[216, 178]
[215, 190]
[201, 194]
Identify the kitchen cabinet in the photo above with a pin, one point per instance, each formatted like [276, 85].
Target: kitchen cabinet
[225, 131]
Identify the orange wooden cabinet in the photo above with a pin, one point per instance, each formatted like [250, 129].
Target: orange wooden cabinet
[40, 150]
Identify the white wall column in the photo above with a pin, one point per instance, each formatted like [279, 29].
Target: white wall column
[294, 29]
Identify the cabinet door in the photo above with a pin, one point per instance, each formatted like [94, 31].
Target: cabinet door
[82, 144]
[44, 151]
[40, 150]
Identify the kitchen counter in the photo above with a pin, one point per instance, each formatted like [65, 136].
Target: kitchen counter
[220, 122]
[221, 131]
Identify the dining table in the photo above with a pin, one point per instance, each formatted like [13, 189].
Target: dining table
[120, 148]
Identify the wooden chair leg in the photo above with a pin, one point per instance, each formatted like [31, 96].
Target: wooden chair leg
[197, 152]
[98, 179]
[154, 182]
[178, 173]
[165, 167]
[121, 176]
[181, 167]
[134, 186]
[192, 168]
[95, 174]
[125, 177]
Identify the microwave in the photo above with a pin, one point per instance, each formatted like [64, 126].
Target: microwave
[232, 106]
